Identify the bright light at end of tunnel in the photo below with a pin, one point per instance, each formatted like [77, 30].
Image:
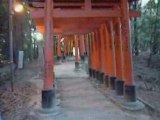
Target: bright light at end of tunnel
[18, 7]
[39, 36]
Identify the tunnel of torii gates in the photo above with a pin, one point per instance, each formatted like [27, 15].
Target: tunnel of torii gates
[100, 28]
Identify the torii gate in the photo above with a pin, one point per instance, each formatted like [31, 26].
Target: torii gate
[105, 24]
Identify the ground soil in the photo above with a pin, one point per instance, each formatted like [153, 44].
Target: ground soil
[148, 79]
[16, 105]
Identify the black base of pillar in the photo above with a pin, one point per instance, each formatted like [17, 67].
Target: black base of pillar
[130, 93]
[106, 80]
[112, 83]
[101, 77]
[94, 73]
[67, 54]
[82, 57]
[71, 53]
[48, 98]
[90, 72]
[97, 75]
[76, 65]
[58, 58]
[120, 87]
[64, 57]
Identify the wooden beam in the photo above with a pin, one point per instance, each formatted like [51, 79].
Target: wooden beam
[59, 13]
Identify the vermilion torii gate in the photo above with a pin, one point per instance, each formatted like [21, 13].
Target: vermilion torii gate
[104, 25]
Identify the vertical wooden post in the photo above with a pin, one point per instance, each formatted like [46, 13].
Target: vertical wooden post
[65, 48]
[104, 55]
[98, 57]
[48, 90]
[82, 47]
[119, 58]
[130, 93]
[76, 53]
[102, 71]
[86, 45]
[112, 53]
[90, 55]
[71, 46]
[93, 56]
[59, 48]
[68, 38]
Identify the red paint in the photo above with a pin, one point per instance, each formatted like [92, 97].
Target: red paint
[48, 47]
[127, 49]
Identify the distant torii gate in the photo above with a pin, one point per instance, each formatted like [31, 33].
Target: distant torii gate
[105, 25]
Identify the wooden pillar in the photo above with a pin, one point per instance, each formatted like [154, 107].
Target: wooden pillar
[104, 55]
[86, 44]
[71, 46]
[68, 51]
[48, 90]
[112, 55]
[119, 57]
[76, 53]
[130, 93]
[93, 55]
[90, 55]
[82, 47]
[65, 48]
[100, 32]
[110, 58]
[59, 48]
[97, 55]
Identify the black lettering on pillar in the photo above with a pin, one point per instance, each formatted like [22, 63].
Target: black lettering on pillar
[125, 31]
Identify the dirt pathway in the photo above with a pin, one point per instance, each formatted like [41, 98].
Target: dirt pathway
[81, 101]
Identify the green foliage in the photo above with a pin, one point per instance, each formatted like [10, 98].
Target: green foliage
[149, 27]
[4, 42]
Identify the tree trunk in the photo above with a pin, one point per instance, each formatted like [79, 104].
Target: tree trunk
[136, 42]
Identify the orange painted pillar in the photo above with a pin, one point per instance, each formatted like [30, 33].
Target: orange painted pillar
[86, 45]
[65, 48]
[90, 55]
[71, 46]
[97, 55]
[93, 55]
[119, 57]
[68, 51]
[76, 53]
[104, 55]
[48, 90]
[110, 55]
[82, 47]
[59, 48]
[101, 54]
[130, 93]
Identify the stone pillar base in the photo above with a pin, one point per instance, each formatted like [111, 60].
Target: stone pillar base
[82, 58]
[93, 73]
[59, 59]
[130, 93]
[71, 54]
[97, 75]
[90, 72]
[101, 77]
[76, 65]
[106, 81]
[120, 87]
[48, 97]
[112, 83]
